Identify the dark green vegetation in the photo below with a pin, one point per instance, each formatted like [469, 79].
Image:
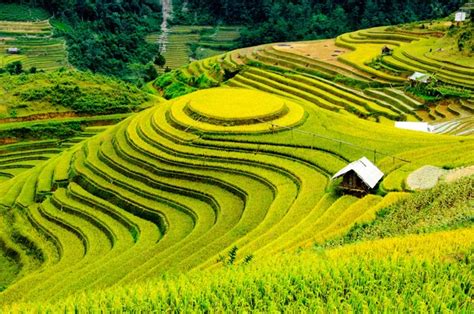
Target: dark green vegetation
[9, 269]
[18, 12]
[109, 37]
[447, 206]
[44, 131]
[106, 37]
[275, 21]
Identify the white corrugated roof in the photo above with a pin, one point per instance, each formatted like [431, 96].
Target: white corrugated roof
[414, 126]
[365, 170]
[419, 77]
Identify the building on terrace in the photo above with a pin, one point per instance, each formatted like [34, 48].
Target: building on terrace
[460, 16]
[386, 51]
[359, 177]
[422, 78]
[13, 50]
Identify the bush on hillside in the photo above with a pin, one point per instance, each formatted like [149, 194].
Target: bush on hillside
[44, 131]
[82, 92]
[447, 206]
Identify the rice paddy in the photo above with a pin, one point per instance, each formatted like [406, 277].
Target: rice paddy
[178, 185]
[37, 48]
[222, 199]
[340, 75]
[187, 43]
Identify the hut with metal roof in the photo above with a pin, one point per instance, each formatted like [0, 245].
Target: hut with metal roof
[419, 77]
[359, 177]
[13, 51]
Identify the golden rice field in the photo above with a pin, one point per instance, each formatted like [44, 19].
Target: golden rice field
[169, 190]
[331, 280]
[221, 199]
[339, 75]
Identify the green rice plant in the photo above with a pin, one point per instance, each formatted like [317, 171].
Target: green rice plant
[159, 194]
[227, 215]
[327, 218]
[114, 240]
[403, 63]
[71, 250]
[420, 51]
[349, 218]
[12, 190]
[62, 168]
[44, 184]
[175, 136]
[382, 95]
[328, 97]
[362, 54]
[445, 207]
[143, 233]
[252, 207]
[350, 278]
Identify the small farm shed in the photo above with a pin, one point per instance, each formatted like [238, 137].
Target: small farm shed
[13, 50]
[415, 126]
[359, 177]
[419, 77]
[460, 16]
[386, 51]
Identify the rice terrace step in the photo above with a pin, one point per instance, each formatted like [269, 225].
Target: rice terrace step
[236, 156]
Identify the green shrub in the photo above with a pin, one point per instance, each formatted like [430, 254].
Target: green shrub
[45, 131]
[82, 92]
[447, 206]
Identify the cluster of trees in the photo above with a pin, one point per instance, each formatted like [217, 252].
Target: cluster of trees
[16, 68]
[108, 36]
[284, 20]
[83, 92]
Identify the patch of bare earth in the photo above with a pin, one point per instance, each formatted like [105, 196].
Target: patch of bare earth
[425, 178]
[456, 174]
[321, 50]
[428, 177]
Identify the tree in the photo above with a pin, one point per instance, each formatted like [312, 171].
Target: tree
[150, 72]
[15, 68]
[160, 60]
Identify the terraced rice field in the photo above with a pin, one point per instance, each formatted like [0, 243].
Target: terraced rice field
[175, 187]
[37, 46]
[337, 75]
[208, 42]
[18, 158]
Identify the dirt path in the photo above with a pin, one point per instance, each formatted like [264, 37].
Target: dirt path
[457, 174]
[167, 8]
[427, 177]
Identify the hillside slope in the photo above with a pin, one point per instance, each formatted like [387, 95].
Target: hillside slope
[38, 48]
[350, 75]
[428, 274]
[172, 188]
[230, 186]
